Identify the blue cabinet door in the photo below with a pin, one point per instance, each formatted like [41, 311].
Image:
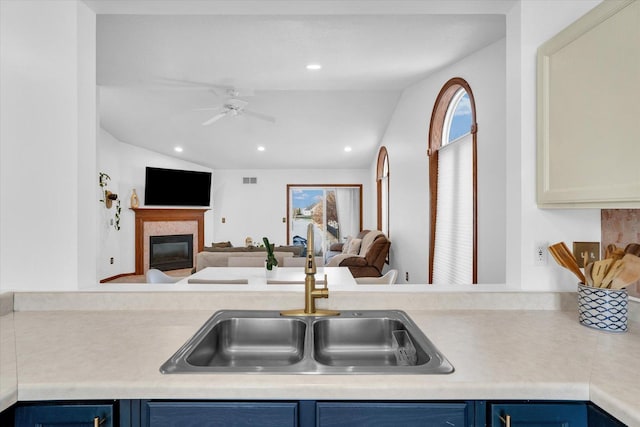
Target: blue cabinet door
[219, 414]
[539, 414]
[63, 415]
[392, 414]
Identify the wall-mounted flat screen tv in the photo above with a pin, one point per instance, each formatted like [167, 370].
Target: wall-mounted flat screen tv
[174, 187]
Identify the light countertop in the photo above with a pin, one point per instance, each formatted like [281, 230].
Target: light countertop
[93, 346]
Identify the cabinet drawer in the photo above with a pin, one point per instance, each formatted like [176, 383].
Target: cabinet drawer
[537, 414]
[54, 414]
[379, 414]
[227, 414]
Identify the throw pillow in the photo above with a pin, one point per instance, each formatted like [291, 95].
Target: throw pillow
[354, 246]
[345, 246]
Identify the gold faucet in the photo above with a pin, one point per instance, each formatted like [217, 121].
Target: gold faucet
[310, 290]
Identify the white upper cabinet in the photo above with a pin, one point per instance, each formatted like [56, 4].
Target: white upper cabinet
[589, 111]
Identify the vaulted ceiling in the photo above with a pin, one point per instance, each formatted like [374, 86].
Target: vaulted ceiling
[156, 72]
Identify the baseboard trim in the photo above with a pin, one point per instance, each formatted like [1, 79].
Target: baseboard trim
[117, 276]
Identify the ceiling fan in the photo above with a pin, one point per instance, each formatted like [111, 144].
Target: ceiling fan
[233, 107]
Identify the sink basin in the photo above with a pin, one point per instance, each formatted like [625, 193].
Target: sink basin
[356, 342]
[364, 342]
[250, 342]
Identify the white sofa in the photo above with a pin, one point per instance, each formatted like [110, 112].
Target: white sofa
[220, 259]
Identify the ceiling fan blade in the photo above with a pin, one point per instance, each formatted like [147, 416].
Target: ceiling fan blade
[229, 90]
[239, 91]
[219, 107]
[166, 81]
[259, 116]
[215, 118]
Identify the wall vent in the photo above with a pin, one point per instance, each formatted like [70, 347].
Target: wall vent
[249, 180]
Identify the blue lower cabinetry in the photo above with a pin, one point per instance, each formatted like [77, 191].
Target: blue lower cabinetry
[219, 414]
[392, 414]
[538, 414]
[65, 414]
[306, 413]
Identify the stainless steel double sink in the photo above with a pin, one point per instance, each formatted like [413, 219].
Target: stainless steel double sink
[355, 342]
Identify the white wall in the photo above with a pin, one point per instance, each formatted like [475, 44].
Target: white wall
[406, 141]
[256, 210]
[125, 164]
[46, 112]
[46, 166]
[529, 24]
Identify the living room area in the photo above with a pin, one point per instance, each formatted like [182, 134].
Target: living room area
[257, 135]
[239, 216]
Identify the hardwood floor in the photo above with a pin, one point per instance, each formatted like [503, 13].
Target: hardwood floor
[141, 278]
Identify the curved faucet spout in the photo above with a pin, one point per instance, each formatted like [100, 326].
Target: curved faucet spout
[310, 290]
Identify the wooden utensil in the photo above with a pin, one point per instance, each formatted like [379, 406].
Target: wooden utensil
[614, 270]
[633, 249]
[614, 252]
[565, 258]
[600, 269]
[630, 272]
[587, 274]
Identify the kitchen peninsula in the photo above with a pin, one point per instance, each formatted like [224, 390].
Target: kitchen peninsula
[92, 346]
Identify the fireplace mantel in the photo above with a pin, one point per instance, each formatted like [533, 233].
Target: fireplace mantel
[144, 215]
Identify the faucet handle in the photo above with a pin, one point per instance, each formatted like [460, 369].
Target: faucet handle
[326, 283]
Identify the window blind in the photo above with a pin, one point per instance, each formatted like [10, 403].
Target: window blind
[453, 251]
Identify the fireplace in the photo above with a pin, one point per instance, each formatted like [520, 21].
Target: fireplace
[166, 222]
[171, 252]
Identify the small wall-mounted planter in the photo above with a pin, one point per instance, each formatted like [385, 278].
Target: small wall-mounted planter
[109, 198]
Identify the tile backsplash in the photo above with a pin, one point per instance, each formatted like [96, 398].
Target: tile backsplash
[621, 227]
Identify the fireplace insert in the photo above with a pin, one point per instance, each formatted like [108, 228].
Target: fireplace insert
[171, 252]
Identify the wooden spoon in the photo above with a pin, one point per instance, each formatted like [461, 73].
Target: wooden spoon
[614, 270]
[630, 272]
[614, 252]
[565, 259]
[600, 269]
[587, 274]
[633, 249]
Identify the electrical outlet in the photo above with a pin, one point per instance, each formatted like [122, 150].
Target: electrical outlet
[406, 276]
[111, 260]
[540, 256]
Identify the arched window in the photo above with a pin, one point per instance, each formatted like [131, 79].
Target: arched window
[453, 186]
[382, 184]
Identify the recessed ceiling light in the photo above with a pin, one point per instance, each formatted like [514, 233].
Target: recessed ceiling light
[314, 67]
[347, 149]
[261, 148]
[177, 149]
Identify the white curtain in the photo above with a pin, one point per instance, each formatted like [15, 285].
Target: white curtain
[453, 251]
[384, 201]
[348, 209]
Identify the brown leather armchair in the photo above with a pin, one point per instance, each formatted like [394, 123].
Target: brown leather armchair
[369, 262]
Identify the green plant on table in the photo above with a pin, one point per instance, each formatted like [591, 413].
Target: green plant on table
[271, 258]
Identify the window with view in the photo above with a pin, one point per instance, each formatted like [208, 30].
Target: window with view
[453, 187]
[382, 184]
